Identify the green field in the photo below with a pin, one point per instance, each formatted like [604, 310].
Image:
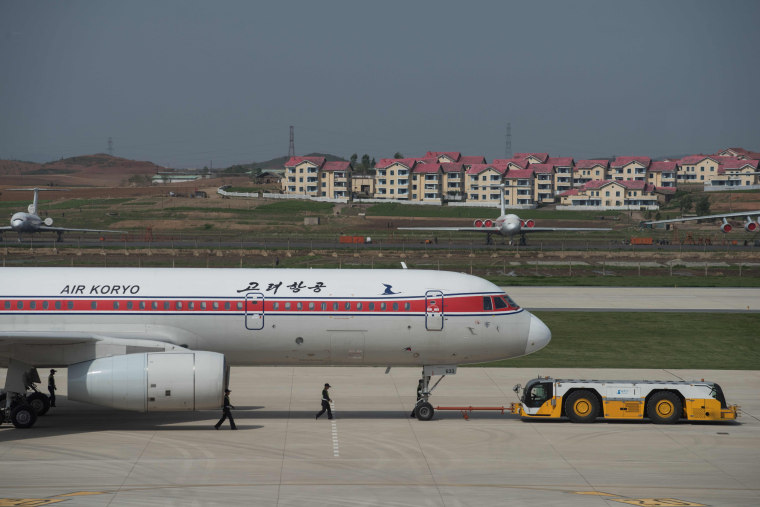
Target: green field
[709, 341]
[411, 210]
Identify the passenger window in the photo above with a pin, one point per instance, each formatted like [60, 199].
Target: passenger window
[347, 305]
[336, 306]
[407, 306]
[57, 305]
[129, 305]
[32, 305]
[299, 305]
[487, 305]
[215, 305]
[239, 305]
[142, 305]
[395, 307]
[179, 305]
[191, 305]
[311, 305]
[7, 305]
[20, 305]
[115, 305]
[499, 303]
[167, 305]
[226, 305]
[154, 305]
[372, 306]
[287, 305]
[45, 305]
[275, 306]
[358, 306]
[324, 306]
[382, 306]
[203, 305]
[70, 305]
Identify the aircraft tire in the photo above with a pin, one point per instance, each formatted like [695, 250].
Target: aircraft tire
[664, 408]
[582, 407]
[424, 411]
[39, 402]
[23, 416]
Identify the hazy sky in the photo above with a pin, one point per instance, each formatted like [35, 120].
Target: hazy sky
[184, 83]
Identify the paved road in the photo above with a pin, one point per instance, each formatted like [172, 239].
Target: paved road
[372, 453]
[664, 299]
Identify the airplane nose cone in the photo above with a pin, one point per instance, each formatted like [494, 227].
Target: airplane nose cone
[539, 335]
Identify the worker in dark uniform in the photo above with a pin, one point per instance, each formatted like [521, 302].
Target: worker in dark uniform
[420, 388]
[51, 387]
[226, 411]
[326, 403]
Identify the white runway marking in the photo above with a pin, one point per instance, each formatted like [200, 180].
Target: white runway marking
[336, 446]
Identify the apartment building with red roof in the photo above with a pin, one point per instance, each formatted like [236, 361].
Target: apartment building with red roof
[630, 168]
[518, 190]
[302, 176]
[563, 173]
[482, 181]
[590, 170]
[393, 176]
[426, 183]
[533, 158]
[662, 174]
[697, 169]
[543, 183]
[734, 172]
[622, 194]
[452, 181]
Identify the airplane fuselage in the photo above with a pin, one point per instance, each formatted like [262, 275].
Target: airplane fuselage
[25, 222]
[263, 316]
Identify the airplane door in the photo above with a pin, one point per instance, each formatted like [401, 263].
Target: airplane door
[434, 310]
[254, 311]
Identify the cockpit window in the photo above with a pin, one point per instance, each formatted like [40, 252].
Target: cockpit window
[499, 303]
[487, 305]
[511, 302]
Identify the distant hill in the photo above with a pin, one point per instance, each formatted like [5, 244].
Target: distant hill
[99, 169]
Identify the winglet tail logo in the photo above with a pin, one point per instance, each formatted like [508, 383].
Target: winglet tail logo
[389, 290]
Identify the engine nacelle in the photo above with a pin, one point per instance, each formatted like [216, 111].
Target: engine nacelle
[488, 223]
[725, 227]
[151, 381]
[751, 226]
[478, 223]
[530, 224]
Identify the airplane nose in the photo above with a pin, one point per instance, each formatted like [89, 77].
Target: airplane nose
[539, 335]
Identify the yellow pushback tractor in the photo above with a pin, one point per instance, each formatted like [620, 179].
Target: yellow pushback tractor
[663, 402]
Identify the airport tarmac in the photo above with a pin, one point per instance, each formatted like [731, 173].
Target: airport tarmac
[373, 453]
[637, 299]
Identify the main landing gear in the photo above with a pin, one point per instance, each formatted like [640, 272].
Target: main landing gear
[16, 406]
[423, 410]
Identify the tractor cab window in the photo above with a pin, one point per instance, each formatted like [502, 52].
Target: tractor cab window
[537, 393]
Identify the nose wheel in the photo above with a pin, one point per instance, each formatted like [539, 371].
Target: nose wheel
[423, 410]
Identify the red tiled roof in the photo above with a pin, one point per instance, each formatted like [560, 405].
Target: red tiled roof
[426, 168]
[573, 191]
[540, 156]
[733, 163]
[479, 168]
[452, 155]
[588, 164]
[623, 161]
[336, 166]
[752, 155]
[542, 168]
[695, 159]
[472, 160]
[560, 161]
[387, 162]
[519, 173]
[629, 184]
[427, 160]
[452, 167]
[294, 161]
[519, 162]
[659, 167]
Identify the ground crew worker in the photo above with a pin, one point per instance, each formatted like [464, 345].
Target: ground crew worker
[326, 403]
[226, 411]
[51, 387]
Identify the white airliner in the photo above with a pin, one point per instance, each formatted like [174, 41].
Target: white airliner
[155, 339]
[506, 225]
[29, 222]
[749, 224]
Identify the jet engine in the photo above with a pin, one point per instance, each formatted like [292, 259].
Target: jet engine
[527, 223]
[488, 223]
[751, 226]
[478, 223]
[151, 381]
[48, 221]
[725, 226]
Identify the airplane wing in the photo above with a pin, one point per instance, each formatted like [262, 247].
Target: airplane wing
[67, 229]
[560, 229]
[6, 228]
[704, 217]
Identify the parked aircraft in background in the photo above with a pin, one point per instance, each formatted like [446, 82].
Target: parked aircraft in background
[159, 339]
[749, 224]
[507, 225]
[31, 222]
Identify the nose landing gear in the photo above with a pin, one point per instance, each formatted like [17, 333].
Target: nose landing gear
[423, 410]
